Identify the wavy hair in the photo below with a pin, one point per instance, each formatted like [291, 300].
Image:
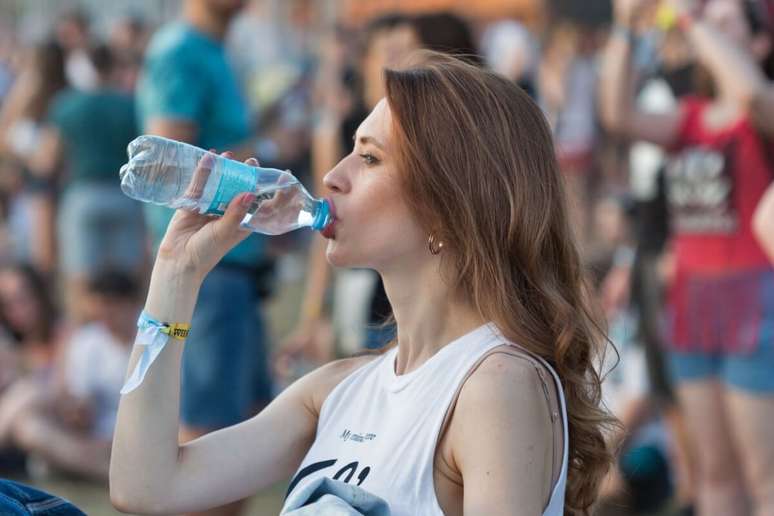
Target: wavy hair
[479, 171]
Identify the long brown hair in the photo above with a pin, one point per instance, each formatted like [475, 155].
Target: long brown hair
[47, 62]
[479, 170]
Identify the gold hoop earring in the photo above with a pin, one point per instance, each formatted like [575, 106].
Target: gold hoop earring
[434, 247]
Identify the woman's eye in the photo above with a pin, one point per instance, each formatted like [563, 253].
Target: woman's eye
[369, 159]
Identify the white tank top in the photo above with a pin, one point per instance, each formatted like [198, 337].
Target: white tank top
[379, 431]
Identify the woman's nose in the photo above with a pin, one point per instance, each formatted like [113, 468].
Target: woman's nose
[336, 180]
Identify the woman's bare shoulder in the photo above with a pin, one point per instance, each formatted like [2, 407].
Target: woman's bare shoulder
[504, 400]
[319, 383]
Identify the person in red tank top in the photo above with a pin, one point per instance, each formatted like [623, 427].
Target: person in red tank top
[721, 296]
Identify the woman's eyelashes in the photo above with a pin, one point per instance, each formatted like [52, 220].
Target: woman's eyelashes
[369, 159]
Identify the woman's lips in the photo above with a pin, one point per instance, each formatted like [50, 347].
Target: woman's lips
[329, 231]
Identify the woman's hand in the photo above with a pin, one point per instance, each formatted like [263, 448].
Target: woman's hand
[194, 242]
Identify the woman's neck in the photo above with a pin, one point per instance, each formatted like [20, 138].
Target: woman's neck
[428, 314]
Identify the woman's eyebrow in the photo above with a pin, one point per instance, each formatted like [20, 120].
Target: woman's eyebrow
[368, 139]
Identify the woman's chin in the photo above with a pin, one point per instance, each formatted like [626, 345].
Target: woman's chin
[334, 255]
[338, 257]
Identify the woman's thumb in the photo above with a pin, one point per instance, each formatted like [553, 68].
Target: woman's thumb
[238, 207]
[229, 223]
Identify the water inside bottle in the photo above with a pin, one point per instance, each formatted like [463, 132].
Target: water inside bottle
[279, 209]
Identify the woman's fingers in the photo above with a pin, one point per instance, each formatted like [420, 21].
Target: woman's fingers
[200, 176]
[227, 228]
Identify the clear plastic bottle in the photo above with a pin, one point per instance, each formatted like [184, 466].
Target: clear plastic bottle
[178, 175]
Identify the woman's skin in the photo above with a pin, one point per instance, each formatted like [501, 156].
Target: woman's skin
[731, 427]
[152, 473]
[763, 222]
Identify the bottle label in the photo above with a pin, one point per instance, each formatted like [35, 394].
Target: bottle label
[235, 178]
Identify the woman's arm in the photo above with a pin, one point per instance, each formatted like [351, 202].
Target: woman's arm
[150, 472]
[502, 439]
[738, 77]
[616, 87]
[763, 222]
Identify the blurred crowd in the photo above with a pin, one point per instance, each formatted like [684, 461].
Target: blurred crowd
[665, 159]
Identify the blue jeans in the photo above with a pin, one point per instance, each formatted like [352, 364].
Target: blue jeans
[21, 500]
[378, 336]
[225, 363]
[100, 227]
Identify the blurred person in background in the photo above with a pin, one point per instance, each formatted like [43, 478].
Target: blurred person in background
[128, 38]
[72, 31]
[68, 423]
[720, 307]
[511, 50]
[29, 315]
[635, 280]
[32, 193]
[188, 91]
[566, 86]
[99, 227]
[128, 34]
[641, 482]
[270, 45]
[449, 33]
[35, 334]
[346, 96]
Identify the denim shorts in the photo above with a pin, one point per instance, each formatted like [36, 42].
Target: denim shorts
[750, 367]
[99, 227]
[753, 373]
[225, 372]
[21, 500]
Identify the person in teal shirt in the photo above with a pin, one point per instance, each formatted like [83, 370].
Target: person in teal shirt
[95, 128]
[188, 91]
[186, 78]
[85, 138]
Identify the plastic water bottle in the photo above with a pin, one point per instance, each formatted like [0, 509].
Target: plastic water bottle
[177, 175]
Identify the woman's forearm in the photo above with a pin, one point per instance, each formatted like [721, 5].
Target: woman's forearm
[145, 445]
[615, 88]
[738, 76]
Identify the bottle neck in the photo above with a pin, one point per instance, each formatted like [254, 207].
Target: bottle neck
[322, 214]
